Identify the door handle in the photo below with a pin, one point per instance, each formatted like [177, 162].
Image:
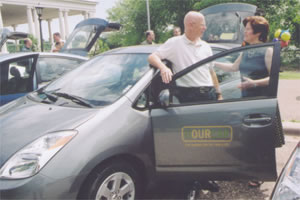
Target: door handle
[258, 120]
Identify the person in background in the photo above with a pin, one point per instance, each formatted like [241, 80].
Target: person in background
[58, 42]
[183, 51]
[58, 46]
[27, 45]
[150, 37]
[176, 31]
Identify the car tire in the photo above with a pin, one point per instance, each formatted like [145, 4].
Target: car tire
[116, 180]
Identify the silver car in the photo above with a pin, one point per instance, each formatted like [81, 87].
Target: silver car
[110, 127]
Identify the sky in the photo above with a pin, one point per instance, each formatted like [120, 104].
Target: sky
[101, 8]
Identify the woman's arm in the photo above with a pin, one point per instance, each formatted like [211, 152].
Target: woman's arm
[268, 59]
[229, 67]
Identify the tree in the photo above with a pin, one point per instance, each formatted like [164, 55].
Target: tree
[132, 15]
[283, 14]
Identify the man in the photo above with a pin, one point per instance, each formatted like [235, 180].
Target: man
[150, 37]
[183, 51]
[27, 45]
[176, 31]
[58, 42]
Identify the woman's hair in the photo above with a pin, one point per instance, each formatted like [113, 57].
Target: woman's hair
[259, 25]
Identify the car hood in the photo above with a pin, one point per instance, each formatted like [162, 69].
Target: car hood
[23, 121]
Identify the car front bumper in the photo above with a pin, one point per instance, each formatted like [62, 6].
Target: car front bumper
[37, 187]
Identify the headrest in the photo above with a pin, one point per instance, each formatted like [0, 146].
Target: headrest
[14, 72]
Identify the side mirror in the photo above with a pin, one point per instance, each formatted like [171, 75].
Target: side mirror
[164, 98]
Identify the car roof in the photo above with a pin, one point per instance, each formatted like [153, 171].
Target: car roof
[143, 49]
[147, 49]
[6, 56]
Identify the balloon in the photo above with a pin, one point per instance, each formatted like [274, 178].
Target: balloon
[284, 43]
[277, 33]
[285, 36]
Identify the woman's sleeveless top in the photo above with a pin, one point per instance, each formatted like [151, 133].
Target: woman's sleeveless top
[253, 66]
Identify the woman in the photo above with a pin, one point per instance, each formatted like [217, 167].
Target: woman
[254, 65]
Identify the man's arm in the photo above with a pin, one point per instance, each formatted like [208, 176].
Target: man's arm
[216, 84]
[165, 72]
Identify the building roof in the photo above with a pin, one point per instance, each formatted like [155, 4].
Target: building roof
[15, 11]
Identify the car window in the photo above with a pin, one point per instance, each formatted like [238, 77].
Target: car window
[224, 26]
[51, 68]
[15, 76]
[82, 37]
[239, 82]
[104, 79]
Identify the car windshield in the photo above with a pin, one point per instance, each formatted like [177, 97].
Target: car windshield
[103, 79]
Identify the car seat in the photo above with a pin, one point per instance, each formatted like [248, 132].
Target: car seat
[14, 82]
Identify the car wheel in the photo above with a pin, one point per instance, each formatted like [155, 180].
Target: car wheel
[114, 181]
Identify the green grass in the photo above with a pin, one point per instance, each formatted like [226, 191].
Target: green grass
[290, 75]
[293, 120]
[296, 121]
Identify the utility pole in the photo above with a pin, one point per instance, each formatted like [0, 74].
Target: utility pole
[148, 14]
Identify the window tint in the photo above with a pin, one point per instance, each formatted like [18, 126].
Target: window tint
[15, 76]
[82, 37]
[243, 74]
[52, 68]
[224, 26]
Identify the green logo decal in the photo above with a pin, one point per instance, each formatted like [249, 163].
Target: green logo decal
[206, 134]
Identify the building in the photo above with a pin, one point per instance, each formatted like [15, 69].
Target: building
[15, 12]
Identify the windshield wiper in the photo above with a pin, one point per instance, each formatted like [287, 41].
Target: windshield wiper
[45, 94]
[74, 98]
[50, 96]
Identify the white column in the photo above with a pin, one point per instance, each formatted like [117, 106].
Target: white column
[85, 15]
[91, 14]
[66, 24]
[37, 28]
[61, 24]
[1, 21]
[4, 47]
[50, 31]
[29, 20]
[14, 26]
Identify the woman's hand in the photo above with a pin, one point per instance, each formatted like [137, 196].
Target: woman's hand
[247, 83]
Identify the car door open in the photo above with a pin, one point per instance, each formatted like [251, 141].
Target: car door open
[17, 77]
[233, 137]
[86, 34]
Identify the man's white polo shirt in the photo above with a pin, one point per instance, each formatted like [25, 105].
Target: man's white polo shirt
[183, 53]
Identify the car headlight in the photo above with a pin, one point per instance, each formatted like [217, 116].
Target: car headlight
[31, 159]
[288, 184]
